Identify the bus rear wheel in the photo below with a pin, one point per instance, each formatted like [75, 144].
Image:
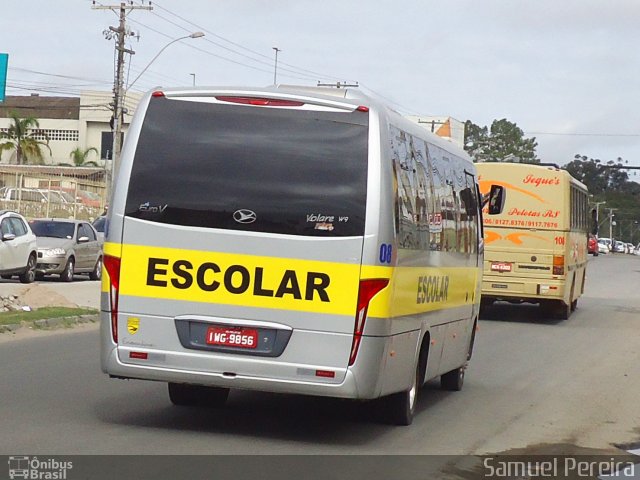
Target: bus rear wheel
[453, 380]
[563, 310]
[189, 395]
[402, 405]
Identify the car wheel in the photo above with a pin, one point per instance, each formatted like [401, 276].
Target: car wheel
[402, 405]
[188, 395]
[96, 274]
[69, 268]
[29, 275]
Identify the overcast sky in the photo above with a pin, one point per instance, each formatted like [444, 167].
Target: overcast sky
[565, 71]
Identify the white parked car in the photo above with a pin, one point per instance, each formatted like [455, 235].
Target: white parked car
[18, 250]
[604, 245]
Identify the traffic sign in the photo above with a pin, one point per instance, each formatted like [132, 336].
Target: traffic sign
[4, 60]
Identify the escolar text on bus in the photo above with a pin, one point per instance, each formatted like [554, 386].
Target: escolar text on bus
[236, 279]
[432, 288]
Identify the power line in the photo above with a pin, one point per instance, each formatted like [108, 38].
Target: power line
[575, 134]
[295, 70]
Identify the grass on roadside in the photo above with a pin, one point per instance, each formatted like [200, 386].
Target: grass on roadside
[19, 316]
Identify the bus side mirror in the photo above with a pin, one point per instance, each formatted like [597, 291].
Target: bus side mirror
[495, 199]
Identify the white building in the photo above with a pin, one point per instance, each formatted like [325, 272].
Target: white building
[68, 123]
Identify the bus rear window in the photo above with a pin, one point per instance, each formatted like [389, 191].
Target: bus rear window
[289, 171]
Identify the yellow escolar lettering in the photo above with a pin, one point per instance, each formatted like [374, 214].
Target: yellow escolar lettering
[235, 279]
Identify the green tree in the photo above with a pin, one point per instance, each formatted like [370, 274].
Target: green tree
[80, 156]
[600, 177]
[609, 182]
[503, 142]
[20, 138]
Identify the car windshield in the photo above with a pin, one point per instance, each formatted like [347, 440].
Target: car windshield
[98, 224]
[43, 228]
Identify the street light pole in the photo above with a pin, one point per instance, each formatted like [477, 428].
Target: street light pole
[275, 66]
[193, 35]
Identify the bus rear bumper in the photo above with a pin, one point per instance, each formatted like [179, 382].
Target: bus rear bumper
[363, 380]
[519, 290]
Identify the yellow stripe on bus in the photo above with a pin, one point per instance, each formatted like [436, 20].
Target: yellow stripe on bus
[286, 283]
[234, 279]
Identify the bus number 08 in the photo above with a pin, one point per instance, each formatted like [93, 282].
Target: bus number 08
[385, 253]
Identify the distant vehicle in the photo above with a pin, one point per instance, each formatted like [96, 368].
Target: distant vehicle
[18, 250]
[67, 247]
[536, 249]
[619, 247]
[100, 224]
[637, 249]
[35, 195]
[592, 245]
[630, 248]
[24, 194]
[603, 247]
[84, 197]
[606, 242]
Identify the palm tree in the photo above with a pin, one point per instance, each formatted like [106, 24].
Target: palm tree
[20, 138]
[79, 157]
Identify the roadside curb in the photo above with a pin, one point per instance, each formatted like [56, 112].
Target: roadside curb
[48, 323]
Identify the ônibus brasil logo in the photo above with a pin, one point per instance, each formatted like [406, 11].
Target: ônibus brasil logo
[38, 469]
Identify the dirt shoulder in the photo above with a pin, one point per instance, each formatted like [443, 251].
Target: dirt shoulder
[26, 298]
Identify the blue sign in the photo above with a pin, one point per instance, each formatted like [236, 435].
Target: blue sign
[4, 60]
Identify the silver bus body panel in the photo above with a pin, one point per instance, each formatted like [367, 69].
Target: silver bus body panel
[319, 341]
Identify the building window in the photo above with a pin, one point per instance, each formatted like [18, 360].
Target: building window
[56, 135]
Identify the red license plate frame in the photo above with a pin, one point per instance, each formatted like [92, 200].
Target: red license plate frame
[234, 337]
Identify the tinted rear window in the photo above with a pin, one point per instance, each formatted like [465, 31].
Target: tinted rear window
[300, 172]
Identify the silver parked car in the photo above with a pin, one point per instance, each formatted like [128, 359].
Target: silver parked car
[66, 247]
[17, 247]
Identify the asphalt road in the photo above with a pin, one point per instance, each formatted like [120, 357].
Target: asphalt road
[533, 384]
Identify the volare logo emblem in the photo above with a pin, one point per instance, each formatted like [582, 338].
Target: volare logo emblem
[244, 216]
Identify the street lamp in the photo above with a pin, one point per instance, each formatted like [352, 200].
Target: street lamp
[193, 35]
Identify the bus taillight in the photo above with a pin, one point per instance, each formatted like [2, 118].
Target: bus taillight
[112, 266]
[368, 289]
[558, 264]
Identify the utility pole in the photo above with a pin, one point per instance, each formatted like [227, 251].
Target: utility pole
[118, 84]
[597, 219]
[275, 66]
[611, 216]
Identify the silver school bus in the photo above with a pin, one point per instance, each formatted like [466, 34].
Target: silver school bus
[302, 241]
